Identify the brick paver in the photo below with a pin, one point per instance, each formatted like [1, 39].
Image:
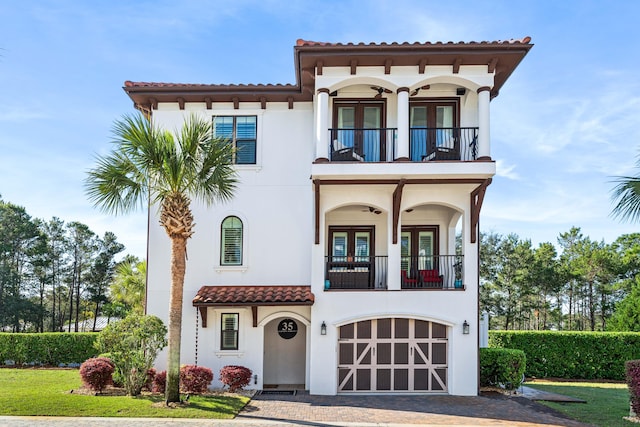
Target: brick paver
[433, 410]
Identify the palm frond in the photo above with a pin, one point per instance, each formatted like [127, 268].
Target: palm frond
[149, 162]
[115, 185]
[626, 196]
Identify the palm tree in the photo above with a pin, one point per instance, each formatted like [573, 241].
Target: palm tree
[128, 284]
[150, 165]
[626, 196]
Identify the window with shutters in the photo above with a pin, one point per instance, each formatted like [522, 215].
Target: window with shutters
[231, 241]
[241, 131]
[229, 331]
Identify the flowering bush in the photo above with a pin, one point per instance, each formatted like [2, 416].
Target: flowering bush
[235, 377]
[159, 382]
[195, 379]
[632, 370]
[97, 373]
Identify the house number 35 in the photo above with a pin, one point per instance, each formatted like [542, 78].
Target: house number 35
[287, 328]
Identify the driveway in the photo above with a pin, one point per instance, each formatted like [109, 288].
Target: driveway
[320, 411]
[304, 409]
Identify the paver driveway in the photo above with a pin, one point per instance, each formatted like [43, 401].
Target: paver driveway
[304, 409]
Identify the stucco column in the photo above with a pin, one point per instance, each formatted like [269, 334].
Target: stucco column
[393, 258]
[402, 142]
[322, 125]
[484, 139]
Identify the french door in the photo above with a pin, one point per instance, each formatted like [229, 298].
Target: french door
[359, 125]
[433, 130]
[418, 251]
[351, 260]
[392, 355]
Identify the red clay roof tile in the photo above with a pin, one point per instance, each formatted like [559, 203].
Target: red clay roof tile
[254, 295]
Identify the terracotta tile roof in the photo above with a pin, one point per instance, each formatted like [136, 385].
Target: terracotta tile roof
[501, 58]
[524, 40]
[181, 86]
[254, 295]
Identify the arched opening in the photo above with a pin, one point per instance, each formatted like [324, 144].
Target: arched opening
[285, 355]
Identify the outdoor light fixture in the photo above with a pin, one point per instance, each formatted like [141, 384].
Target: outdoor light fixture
[323, 328]
[465, 328]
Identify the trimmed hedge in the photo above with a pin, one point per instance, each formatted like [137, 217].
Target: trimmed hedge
[572, 355]
[49, 348]
[502, 367]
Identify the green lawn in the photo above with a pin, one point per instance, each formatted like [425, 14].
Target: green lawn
[47, 392]
[606, 403]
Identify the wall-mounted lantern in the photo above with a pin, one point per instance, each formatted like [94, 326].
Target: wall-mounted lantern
[465, 328]
[323, 328]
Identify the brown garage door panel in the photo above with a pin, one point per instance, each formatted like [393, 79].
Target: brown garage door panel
[393, 354]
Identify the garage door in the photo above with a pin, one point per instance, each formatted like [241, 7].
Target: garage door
[392, 355]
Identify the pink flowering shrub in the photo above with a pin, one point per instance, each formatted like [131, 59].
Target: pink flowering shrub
[632, 370]
[235, 377]
[97, 373]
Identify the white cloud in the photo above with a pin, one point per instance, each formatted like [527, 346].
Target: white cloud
[506, 171]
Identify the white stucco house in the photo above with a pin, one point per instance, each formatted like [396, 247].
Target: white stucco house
[336, 267]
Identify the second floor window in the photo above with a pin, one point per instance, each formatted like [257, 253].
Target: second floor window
[231, 241]
[241, 131]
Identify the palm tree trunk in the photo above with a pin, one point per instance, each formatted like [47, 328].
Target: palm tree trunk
[178, 266]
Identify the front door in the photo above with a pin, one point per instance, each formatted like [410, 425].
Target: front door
[285, 343]
[392, 355]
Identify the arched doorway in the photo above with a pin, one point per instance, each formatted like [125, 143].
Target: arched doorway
[285, 357]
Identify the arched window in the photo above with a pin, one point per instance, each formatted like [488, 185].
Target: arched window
[231, 243]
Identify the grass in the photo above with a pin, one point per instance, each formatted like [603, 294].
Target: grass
[47, 392]
[607, 403]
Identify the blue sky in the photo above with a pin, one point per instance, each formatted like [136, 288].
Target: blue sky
[565, 122]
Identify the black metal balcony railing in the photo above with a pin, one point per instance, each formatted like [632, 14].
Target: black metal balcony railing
[432, 272]
[426, 144]
[358, 272]
[362, 145]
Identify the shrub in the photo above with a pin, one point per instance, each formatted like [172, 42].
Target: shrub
[159, 382]
[502, 367]
[632, 370]
[572, 355]
[49, 348]
[195, 379]
[151, 375]
[133, 344]
[235, 377]
[96, 373]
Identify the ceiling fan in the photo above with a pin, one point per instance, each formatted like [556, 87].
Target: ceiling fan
[380, 91]
[415, 92]
[371, 209]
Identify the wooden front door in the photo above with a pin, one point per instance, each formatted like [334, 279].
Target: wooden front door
[392, 355]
